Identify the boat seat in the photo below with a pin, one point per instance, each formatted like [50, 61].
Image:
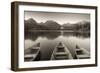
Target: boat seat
[31, 51]
[79, 51]
[83, 56]
[60, 50]
[29, 57]
[61, 56]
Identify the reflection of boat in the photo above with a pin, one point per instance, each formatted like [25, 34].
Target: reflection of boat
[81, 53]
[61, 52]
[32, 53]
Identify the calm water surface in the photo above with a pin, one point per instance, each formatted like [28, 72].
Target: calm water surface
[49, 39]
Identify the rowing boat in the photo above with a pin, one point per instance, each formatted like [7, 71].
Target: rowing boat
[61, 52]
[32, 53]
[81, 53]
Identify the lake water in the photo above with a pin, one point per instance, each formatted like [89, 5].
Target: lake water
[50, 39]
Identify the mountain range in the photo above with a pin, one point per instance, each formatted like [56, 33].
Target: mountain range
[32, 24]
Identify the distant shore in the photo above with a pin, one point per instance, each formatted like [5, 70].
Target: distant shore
[79, 31]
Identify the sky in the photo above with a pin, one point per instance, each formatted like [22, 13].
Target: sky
[59, 17]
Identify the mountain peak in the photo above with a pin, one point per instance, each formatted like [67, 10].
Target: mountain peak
[50, 21]
[31, 20]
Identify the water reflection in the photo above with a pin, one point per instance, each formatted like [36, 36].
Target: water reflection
[52, 35]
[49, 39]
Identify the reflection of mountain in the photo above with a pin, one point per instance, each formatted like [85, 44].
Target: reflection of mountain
[54, 35]
[31, 24]
[48, 35]
[77, 34]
